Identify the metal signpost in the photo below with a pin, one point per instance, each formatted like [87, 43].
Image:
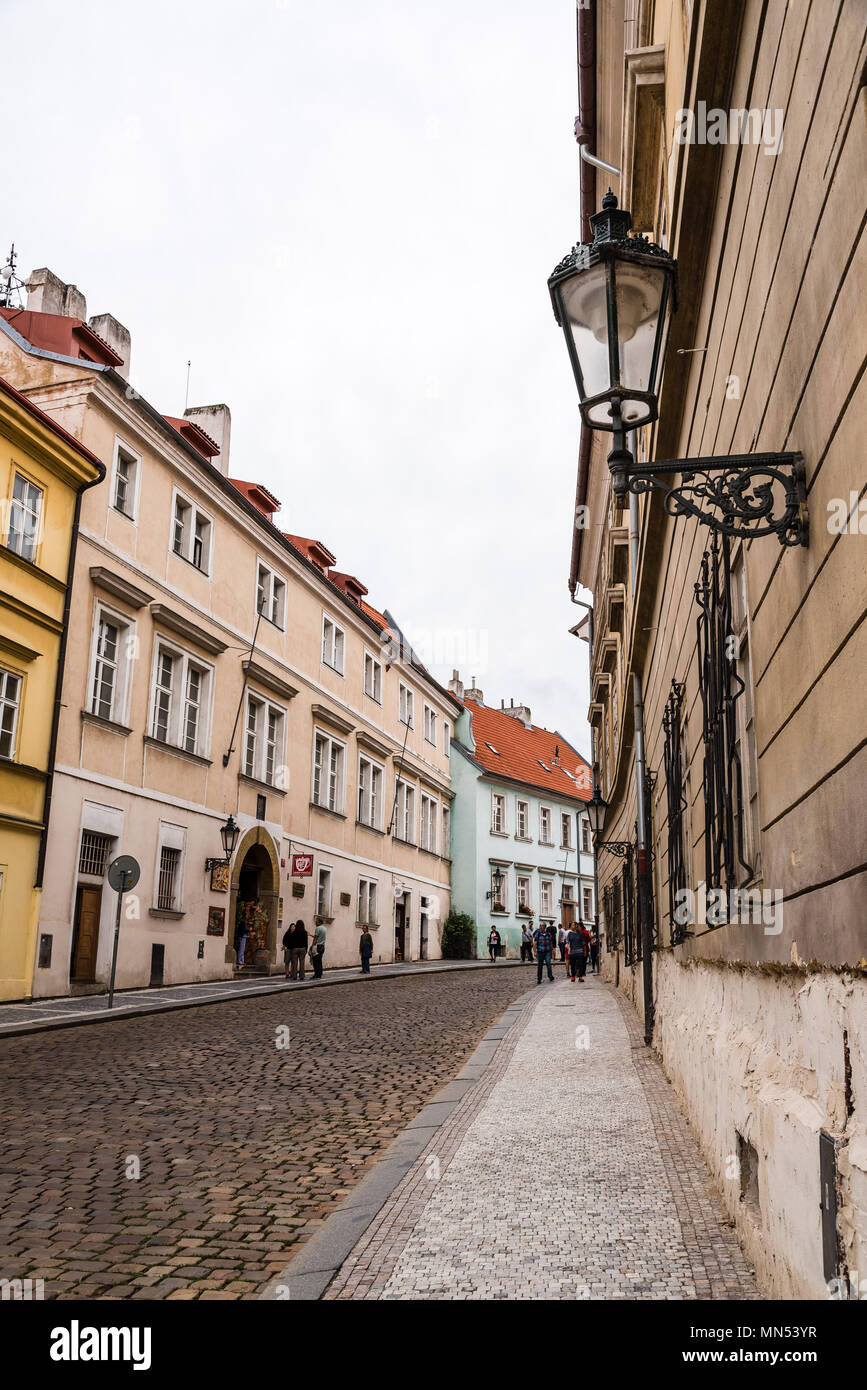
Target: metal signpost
[123, 874]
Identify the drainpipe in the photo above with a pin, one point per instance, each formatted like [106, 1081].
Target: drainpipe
[643, 867]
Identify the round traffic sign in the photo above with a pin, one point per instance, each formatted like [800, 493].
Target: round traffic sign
[123, 873]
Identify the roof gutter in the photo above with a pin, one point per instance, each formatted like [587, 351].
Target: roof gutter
[585, 134]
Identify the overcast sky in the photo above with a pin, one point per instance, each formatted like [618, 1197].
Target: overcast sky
[344, 215]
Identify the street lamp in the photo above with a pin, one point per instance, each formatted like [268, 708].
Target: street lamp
[613, 298]
[596, 808]
[229, 835]
[496, 885]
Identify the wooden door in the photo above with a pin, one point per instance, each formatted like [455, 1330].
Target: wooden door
[400, 932]
[568, 914]
[86, 940]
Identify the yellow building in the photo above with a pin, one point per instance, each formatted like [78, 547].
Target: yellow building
[43, 472]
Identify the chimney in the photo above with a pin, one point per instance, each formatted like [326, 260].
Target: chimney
[117, 337]
[48, 294]
[521, 712]
[215, 420]
[473, 693]
[456, 685]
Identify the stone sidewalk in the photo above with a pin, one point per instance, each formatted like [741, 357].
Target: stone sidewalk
[568, 1171]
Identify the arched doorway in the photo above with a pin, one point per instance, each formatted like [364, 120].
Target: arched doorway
[255, 894]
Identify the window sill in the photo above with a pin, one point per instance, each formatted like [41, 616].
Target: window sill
[336, 669]
[152, 742]
[261, 786]
[192, 564]
[102, 723]
[368, 926]
[401, 841]
[168, 912]
[327, 811]
[375, 698]
[501, 834]
[127, 516]
[524, 839]
[500, 914]
[434, 854]
[363, 825]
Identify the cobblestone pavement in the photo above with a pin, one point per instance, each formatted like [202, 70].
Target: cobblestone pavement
[568, 1172]
[244, 1147]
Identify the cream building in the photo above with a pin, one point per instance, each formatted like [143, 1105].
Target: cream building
[218, 666]
[760, 1021]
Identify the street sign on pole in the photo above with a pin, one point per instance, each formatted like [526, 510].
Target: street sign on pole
[123, 875]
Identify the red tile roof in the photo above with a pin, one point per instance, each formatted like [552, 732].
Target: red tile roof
[520, 751]
[259, 495]
[312, 550]
[60, 333]
[195, 435]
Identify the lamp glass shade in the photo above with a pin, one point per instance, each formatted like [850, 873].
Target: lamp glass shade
[640, 296]
[229, 835]
[583, 304]
[596, 808]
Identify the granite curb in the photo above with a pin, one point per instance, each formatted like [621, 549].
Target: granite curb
[308, 1275]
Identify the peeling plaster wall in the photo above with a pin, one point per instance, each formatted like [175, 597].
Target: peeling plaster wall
[763, 1053]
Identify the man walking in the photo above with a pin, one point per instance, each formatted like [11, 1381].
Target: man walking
[366, 951]
[526, 943]
[317, 950]
[577, 956]
[542, 936]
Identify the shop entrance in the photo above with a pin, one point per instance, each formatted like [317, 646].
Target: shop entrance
[254, 900]
[85, 938]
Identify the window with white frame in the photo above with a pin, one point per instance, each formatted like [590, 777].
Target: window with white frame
[170, 860]
[111, 652]
[368, 902]
[191, 533]
[429, 816]
[264, 741]
[93, 853]
[523, 891]
[430, 724]
[404, 812]
[371, 777]
[565, 830]
[498, 813]
[125, 481]
[586, 847]
[547, 896]
[179, 699]
[25, 515]
[545, 825]
[373, 678]
[10, 702]
[522, 820]
[329, 765]
[406, 702]
[270, 595]
[323, 893]
[587, 904]
[447, 736]
[333, 645]
[447, 832]
[566, 893]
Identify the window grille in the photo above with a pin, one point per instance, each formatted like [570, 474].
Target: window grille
[167, 888]
[94, 850]
[676, 806]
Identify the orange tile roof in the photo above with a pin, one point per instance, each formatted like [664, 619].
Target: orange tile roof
[520, 751]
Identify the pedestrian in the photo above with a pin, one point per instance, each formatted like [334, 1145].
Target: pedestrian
[588, 941]
[317, 950]
[594, 954]
[526, 943]
[297, 941]
[366, 951]
[577, 950]
[561, 942]
[544, 940]
[242, 931]
[493, 943]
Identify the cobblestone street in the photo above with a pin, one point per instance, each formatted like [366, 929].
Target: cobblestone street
[568, 1172]
[243, 1147]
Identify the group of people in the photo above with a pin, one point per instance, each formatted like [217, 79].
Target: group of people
[576, 946]
[297, 946]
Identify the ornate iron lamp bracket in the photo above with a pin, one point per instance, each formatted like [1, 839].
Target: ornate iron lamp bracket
[622, 848]
[745, 495]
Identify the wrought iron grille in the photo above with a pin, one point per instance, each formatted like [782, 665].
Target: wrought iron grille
[720, 687]
[676, 806]
[167, 887]
[92, 856]
[631, 939]
[616, 932]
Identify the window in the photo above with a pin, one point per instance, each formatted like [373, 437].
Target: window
[587, 904]
[404, 818]
[498, 814]
[523, 886]
[545, 825]
[447, 833]
[492, 748]
[566, 830]
[25, 515]
[125, 481]
[547, 890]
[430, 724]
[373, 678]
[328, 768]
[180, 695]
[499, 900]
[270, 596]
[105, 684]
[370, 780]
[333, 645]
[167, 889]
[428, 836]
[191, 534]
[93, 853]
[585, 838]
[447, 736]
[745, 735]
[523, 820]
[264, 729]
[406, 703]
[567, 893]
[10, 696]
[368, 902]
[323, 894]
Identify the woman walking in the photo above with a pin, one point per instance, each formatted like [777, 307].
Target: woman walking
[493, 943]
